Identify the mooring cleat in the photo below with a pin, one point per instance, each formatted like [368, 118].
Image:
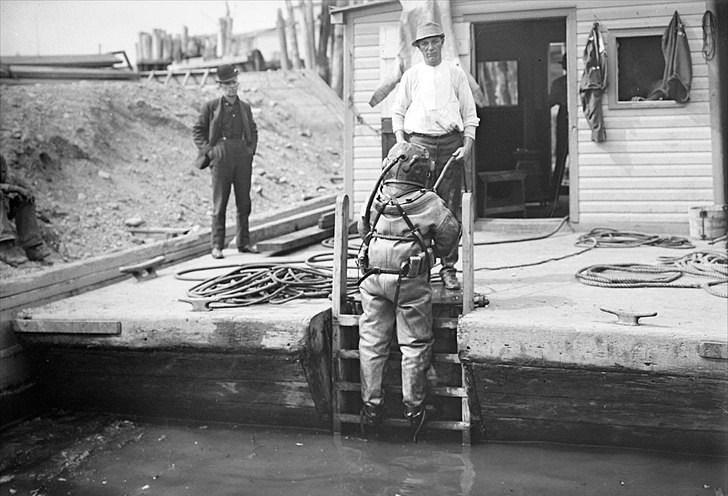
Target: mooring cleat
[628, 318]
[198, 304]
[145, 270]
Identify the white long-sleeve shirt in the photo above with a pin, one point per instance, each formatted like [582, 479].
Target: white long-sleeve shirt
[435, 101]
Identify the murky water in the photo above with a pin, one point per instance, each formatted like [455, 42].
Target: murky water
[224, 460]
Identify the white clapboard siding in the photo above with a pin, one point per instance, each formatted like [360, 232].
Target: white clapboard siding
[657, 160]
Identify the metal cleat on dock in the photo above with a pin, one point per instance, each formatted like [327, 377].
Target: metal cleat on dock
[199, 304]
[144, 270]
[628, 318]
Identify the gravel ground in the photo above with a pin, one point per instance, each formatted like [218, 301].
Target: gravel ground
[97, 154]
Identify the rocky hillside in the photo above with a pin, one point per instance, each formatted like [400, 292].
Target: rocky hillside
[98, 154]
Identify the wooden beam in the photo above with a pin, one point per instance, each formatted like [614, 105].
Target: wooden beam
[89, 327]
[297, 239]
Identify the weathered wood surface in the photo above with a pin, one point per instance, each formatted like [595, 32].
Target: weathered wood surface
[601, 406]
[59, 72]
[284, 385]
[84, 60]
[295, 240]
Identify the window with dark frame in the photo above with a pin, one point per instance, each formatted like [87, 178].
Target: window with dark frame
[636, 67]
[640, 66]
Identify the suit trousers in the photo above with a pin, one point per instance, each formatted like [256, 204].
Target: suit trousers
[450, 189]
[412, 318]
[231, 167]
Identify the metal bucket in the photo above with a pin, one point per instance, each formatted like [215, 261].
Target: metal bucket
[707, 222]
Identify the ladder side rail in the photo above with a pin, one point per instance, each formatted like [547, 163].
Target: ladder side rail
[468, 256]
[338, 298]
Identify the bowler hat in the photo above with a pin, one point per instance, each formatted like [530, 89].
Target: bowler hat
[427, 30]
[226, 73]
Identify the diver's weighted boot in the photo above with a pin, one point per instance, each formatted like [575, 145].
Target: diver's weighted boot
[370, 417]
[416, 417]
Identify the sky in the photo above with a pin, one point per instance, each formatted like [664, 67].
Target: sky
[72, 27]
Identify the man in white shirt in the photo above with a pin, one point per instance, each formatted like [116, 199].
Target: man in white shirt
[434, 107]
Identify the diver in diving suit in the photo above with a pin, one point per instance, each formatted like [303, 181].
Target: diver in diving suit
[404, 227]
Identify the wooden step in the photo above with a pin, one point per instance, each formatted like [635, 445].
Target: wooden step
[436, 357]
[448, 391]
[450, 425]
[351, 320]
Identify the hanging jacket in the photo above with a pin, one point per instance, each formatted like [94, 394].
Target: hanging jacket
[678, 64]
[594, 82]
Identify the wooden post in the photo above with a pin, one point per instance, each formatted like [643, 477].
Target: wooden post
[295, 55]
[468, 265]
[184, 41]
[337, 57]
[157, 44]
[338, 296]
[281, 26]
[322, 56]
[167, 47]
[309, 33]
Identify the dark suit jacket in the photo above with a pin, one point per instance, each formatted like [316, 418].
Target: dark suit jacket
[206, 131]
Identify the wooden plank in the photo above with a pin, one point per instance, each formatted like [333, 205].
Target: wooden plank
[397, 357]
[432, 424]
[294, 240]
[258, 387]
[53, 72]
[79, 327]
[349, 320]
[449, 391]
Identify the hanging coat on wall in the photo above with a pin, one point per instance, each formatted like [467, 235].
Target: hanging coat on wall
[678, 64]
[594, 82]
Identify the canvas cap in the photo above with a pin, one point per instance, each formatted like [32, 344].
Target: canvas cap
[427, 30]
[226, 73]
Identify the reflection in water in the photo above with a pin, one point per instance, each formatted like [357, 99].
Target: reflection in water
[164, 460]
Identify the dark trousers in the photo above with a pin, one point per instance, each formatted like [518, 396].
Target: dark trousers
[26, 224]
[230, 167]
[441, 149]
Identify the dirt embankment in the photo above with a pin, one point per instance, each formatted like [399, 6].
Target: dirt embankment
[99, 153]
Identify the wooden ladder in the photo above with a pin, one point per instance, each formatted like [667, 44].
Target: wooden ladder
[451, 391]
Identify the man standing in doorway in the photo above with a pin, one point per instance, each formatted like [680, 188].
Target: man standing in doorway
[226, 136]
[559, 131]
[434, 107]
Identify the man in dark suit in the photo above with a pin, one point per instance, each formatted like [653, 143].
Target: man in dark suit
[226, 136]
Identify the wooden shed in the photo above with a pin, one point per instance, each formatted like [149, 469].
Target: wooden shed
[660, 157]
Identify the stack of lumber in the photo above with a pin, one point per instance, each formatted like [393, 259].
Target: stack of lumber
[65, 67]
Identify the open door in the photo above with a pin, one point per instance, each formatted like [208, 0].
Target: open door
[516, 64]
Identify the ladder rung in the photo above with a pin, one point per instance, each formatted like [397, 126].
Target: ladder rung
[436, 357]
[450, 391]
[351, 320]
[450, 425]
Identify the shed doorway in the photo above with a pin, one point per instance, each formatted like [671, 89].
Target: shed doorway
[521, 162]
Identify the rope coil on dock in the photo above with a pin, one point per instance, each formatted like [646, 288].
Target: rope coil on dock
[256, 283]
[699, 264]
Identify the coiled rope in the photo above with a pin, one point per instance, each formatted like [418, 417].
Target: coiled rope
[256, 283]
[700, 264]
[606, 237]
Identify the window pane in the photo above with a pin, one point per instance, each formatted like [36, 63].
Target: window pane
[640, 65]
[499, 82]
